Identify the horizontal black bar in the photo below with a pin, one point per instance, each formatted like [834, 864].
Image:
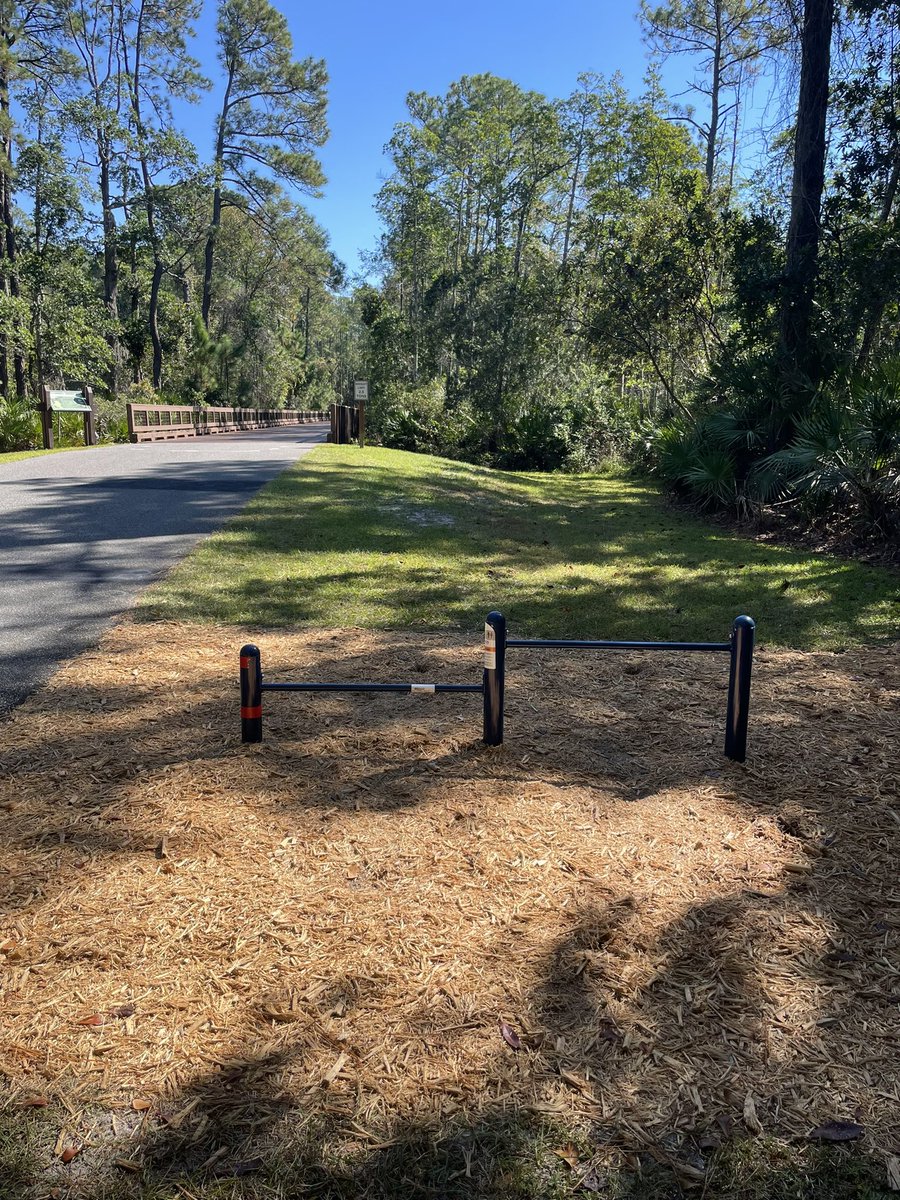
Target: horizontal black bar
[372, 687]
[558, 644]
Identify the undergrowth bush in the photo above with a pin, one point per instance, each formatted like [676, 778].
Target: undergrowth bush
[841, 456]
[20, 427]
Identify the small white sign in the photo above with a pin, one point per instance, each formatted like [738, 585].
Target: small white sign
[361, 389]
[490, 648]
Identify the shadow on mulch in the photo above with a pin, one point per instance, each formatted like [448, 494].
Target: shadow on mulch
[653, 998]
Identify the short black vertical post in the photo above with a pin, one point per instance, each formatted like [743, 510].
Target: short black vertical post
[494, 677]
[251, 695]
[742, 638]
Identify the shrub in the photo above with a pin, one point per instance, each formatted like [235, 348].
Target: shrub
[418, 418]
[845, 453]
[20, 427]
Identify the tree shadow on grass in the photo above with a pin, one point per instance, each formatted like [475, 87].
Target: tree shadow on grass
[583, 557]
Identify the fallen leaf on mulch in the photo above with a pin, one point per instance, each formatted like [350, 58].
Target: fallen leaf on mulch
[593, 1181]
[141, 1104]
[121, 1013]
[751, 1120]
[836, 1131]
[69, 1153]
[510, 1036]
[575, 1081]
[279, 1013]
[568, 1154]
[34, 1102]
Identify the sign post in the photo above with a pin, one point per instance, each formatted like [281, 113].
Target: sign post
[361, 395]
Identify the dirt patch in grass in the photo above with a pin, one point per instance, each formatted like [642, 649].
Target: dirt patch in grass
[373, 957]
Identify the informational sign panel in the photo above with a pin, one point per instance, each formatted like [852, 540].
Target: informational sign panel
[361, 389]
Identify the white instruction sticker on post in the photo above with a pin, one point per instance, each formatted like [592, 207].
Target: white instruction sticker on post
[422, 687]
[490, 648]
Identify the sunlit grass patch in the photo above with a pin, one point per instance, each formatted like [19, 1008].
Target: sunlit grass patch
[386, 539]
[16, 455]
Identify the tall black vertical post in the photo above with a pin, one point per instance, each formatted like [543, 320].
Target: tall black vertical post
[90, 429]
[46, 417]
[742, 637]
[251, 695]
[494, 677]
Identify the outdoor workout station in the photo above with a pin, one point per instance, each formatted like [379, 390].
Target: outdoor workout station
[81, 401]
[739, 647]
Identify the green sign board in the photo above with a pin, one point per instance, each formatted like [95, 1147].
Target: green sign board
[68, 402]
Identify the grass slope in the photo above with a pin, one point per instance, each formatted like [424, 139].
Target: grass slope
[15, 455]
[385, 539]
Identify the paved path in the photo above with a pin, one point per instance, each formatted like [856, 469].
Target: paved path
[82, 533]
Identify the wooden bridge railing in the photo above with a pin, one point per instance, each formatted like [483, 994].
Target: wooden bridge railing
[155, 422]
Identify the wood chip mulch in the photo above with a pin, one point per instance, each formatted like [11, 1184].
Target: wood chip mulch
[372, 922]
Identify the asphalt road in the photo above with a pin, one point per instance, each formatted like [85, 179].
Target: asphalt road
[82, 533]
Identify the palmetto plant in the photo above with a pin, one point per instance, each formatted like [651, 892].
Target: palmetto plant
[845, 452]
[19, 426]
[691, 458]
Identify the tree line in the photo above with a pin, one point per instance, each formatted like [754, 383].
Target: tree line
[697, 286]
[130, 257]
[700, 285]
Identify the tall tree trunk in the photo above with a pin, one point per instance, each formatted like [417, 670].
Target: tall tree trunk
[714, 101]
[149, 203]
[11, 280]
[876, 311]
[153, 318]
[732, 167]
[209, 253]
[110, 263]
[804, 231]
[573, 190]
[4, 282]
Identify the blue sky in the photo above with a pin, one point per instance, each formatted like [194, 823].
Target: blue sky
[377, 53]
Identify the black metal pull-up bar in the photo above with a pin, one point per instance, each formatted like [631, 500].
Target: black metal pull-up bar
[739, 647]
[253, 686]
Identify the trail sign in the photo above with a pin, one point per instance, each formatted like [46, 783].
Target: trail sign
[361, 396]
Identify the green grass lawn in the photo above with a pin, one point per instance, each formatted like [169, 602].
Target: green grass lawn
[15, 455]
[385, 539]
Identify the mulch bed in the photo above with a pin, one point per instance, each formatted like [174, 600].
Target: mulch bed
[372, 923]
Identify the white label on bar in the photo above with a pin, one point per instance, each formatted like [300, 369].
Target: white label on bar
[421, 687]
[490, 648]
